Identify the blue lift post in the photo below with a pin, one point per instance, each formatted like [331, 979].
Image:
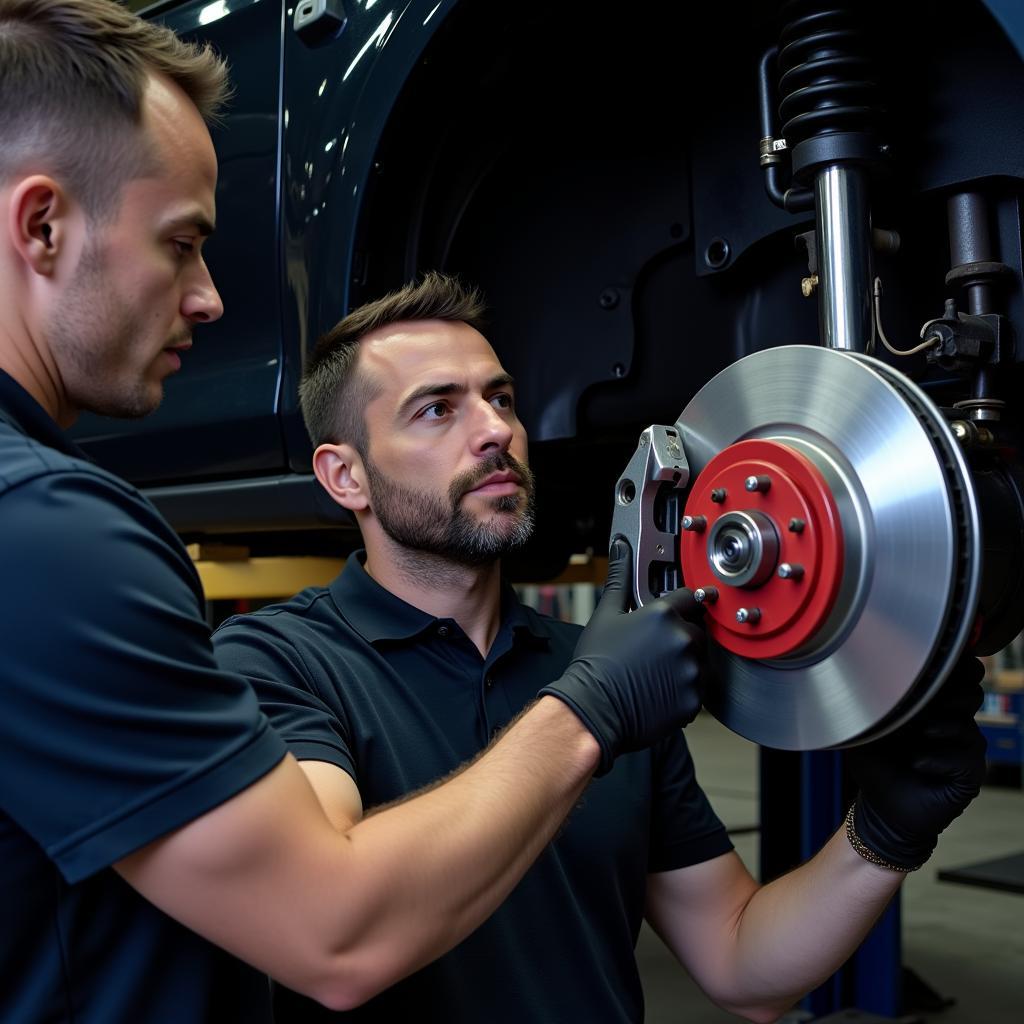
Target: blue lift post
[804, 798]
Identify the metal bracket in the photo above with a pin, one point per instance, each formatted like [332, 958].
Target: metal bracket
[882, 240]
[772, 151]
[317, 20]
[965, 340]
[648, 499]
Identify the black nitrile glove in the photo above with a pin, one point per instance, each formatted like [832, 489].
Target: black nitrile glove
[636, 675]
[915, 781]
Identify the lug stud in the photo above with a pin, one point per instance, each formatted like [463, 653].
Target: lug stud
[695, 523]
[705, 595]
[790, 571]
[758, 483]
[751, 615]
[718, 495]
[796, 526]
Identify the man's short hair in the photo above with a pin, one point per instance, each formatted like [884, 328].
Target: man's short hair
[73, 74]
[333, 395]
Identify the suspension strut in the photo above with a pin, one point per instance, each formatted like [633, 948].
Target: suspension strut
[830, 112]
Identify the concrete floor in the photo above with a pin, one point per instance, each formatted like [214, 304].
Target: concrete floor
[966, 942]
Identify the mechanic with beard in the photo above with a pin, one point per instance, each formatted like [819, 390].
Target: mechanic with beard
[408, 664]
[411, 661]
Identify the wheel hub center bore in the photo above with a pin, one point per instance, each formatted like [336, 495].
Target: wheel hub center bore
[762, 543]
[743, 548]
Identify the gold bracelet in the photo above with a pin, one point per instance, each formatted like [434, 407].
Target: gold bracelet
[866, 852]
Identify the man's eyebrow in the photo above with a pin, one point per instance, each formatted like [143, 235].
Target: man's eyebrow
[193, 221]
[503, 380]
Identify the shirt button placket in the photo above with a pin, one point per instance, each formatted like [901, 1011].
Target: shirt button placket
[488, 687]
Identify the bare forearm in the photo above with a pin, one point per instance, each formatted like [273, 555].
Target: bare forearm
[434, 867]
[796, 931]
[341, 914]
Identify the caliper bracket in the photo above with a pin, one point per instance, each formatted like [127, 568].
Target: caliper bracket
[648, 504]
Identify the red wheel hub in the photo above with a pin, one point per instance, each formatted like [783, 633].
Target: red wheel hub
[740, 538]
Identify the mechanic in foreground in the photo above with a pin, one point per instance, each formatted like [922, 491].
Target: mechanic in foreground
[148, 813]
[409, 661]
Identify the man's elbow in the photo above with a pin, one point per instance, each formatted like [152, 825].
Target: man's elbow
[344, 990]
[341, 995]
[764, 1016]
[350, 979]
[758, 1014]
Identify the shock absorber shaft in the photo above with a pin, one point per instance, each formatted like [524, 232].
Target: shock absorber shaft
[970, 242]
[843, 230]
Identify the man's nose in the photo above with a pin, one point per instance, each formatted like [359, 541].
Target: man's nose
[492, 431]
[201, 303]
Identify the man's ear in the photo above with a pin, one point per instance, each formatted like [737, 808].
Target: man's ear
[340, 471]
[38, 222]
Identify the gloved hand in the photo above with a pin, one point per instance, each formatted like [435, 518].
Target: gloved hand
[916, 780]
[636, 675]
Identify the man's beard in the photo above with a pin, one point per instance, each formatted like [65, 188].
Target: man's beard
[435, 524]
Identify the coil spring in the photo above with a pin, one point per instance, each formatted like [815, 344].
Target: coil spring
[826, 82]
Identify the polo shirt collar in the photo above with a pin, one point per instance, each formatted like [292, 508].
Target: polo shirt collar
[377, 614]
[523, 621]
[374, 612]
[26, 415]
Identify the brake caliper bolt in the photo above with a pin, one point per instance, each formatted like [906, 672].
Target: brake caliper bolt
[757, 483]
[705, 595]
[695, 523]
[796, 526]
[750, 615]
[718, 495]
[791, 571]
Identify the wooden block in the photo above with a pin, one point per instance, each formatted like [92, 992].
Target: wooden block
[265, 577]
[217, 552]
[1007, 680]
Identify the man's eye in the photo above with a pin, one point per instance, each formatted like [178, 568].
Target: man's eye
[435, 411]
[183, 246]
[503, 401]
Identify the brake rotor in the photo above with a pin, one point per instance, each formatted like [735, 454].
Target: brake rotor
[833, 526]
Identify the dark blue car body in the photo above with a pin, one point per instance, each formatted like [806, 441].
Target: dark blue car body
[592, 165]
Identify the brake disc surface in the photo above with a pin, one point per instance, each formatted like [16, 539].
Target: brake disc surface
[878, 588]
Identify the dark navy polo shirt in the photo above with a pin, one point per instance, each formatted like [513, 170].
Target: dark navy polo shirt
[116, 727]
[352, 675]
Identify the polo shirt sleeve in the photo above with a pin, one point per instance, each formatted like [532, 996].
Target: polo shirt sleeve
[315, 730]
[117, 724]
[684, 828]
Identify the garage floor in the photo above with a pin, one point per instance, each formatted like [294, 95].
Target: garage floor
[966, 942]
